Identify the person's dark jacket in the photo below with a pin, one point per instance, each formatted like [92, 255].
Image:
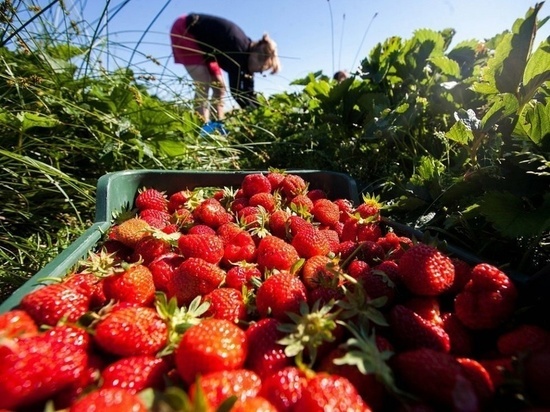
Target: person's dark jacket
[225, 42]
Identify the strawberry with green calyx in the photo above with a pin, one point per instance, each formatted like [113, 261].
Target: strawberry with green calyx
[207, 247]
[275, 253]
[268, 201]
[179, 319]
[131, 282]
[212, 213]
[129, 330]
[310, 242]
[156, 244]
[370, 207]
[17, 323]
[163, 269]
[293, 185]
[210, 346]
[326, 212]
[321, 270]
[131, 231]
[226, 303]
[308, 331]
[301, 205]
[257, 224]
[109, 400]
[277, 223]
[241, 275]
[157, 219]
[255, 183]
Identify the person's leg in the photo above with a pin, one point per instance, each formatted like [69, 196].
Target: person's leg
[218, 89]
[203, 82]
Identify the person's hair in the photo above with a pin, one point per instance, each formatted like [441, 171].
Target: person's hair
[267, 48]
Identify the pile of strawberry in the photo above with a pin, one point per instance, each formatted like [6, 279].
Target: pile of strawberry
[270, 297]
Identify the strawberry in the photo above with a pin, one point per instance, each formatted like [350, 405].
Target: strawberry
[320, 270]
[255, 183]
[136, 373]
[266, 200]
[238, 204]
[210, 346]
[316, 194]
[131, 231]
[131, 330]
[293, 185]
[310, 242]
[346, 208]
[426, 271]
[411, 331]
[294, 224]
[49, 304]
[219, 386]
[275, 177]
[240, 247]
[277, 223]
[201, 229]
[487, 300]
[226, 303]
[377, 284]
[279, 294]
[151, 247]
[368, 232]
[463, 273]
[370, 207]
[253, 404]
[134, 284]
[268, 355]
[275, 253]
[178, 200]
[436, 377]
[393, 245]
[163, 269]
[212, 213]
[194, 277]
[157, 219]
[284, 388]
[109, 400]
[462, 343]
[91, 284]
[206, 247]
[301, 204]
[523, 339]
[326, 212]
[17, 323]
[151, 198]
[39, 366]
[183, 218]
[324, 392]
[242, 275]
[427, 307]
[480, 379]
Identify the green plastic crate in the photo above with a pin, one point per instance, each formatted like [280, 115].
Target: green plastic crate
[117, 191]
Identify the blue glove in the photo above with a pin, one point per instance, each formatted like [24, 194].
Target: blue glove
[212, 127]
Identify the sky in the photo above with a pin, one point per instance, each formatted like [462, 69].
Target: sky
[312, 35]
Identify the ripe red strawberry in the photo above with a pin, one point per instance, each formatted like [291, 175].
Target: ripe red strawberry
[393, 245]
[428, 307]
[284, 388]
[240, 247]
[267, 356]
[151, 198]
[301, 204]
[130, 331]
[194, 277]
[210, 346]
[275, 177]
[265, 200]
[275, 253]
[109, 400]
[481, 381]
[183, 218]
[346, 208]
[462, 343]
[411, 331]
[293, 185]
[36, 367]
[17, 323]
[523, 339]
[326, 212]
[151, 247]
[131, 231]
[426, 271]
[134, 284]
[316, 194]
[226, 303]
[163, 269]
[488, 299]
[294, 224]
[277, 223]
[206, 247]
[436, 377]
[378, 284]
[238, 204]
[201, 229]
[158, 219]
[178, 200]
[91, 284]
[325, 392]
[253, 404]
[320, 270]
[49, 304]
[242, 275]
[212, 213]
[463, 273]
[136, 373]
[218, 386]
[279, 294]
[255, 183]
[310, 242]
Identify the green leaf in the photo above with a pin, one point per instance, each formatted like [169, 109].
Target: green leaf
[510, 216]
[29, 120]
[447, 66]
[537, 122]
[504, 105]
[460, 133]
[537, 71]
